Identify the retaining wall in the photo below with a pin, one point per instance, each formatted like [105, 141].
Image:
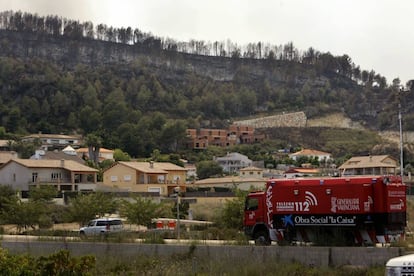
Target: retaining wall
[312, 256]
[295, 119]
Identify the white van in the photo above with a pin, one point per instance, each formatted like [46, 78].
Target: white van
[400, 266]
[101, 226]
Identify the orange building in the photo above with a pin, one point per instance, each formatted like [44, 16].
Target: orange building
[202, 138]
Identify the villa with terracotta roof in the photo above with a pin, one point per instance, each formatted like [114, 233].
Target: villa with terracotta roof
[54, 141]
[158, 177]
[65, 175]
[67, 153]
[252, 172]
[311, 153]
[369, 165]
[5, 156]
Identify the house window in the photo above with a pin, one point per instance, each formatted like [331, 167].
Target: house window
[14, 177]
[55, 176]
[154, 190]
[127, 178]
[114, 178]
[251, 173]
[34, 177]
[161, 179]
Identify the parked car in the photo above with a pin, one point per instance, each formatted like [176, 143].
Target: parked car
[102, 226]
[398, 266]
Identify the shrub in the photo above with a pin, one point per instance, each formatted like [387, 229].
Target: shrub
[60, 263]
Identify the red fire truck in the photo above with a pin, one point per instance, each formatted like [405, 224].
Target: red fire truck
[357, 210]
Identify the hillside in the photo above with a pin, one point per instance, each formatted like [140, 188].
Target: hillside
[334, 133]
[334, 120]
[141, 94]
[269, 86]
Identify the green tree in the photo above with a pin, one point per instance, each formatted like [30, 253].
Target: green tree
[14, 119]
[36, 211]
[183, 208]
[89, 119]
[61, 104]
[3, 133]
[175, 159]
[141, 210]
[206, 169]
[232, 213]
[248, 101]
[115, 110]
[15, 211]
[173, 134]
[43, 193]
[85, 207]
[90, 97]
[103, 166]
[132, 138]
[23, 214]
[8, 198]
[120, 155]
[42, 199]
[25, 149]
[94, 144]
[156, 155]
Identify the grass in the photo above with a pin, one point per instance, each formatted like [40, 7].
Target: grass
[188, 264]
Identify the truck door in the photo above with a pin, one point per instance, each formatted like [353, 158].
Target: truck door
[253, 211]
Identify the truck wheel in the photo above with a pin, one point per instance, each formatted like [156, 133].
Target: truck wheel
[82, 235]
[261, 238]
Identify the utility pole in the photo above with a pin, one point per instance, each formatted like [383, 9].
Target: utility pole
[401, 140]
[401, 133]
[178, 217]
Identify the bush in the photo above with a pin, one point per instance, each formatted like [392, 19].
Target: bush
[45, 221]
[154, 237]
[60, 263]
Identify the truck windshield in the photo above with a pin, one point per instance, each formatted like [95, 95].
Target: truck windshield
[251, 204]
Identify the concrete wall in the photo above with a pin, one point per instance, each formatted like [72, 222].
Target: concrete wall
[295, 119]
[312, 256]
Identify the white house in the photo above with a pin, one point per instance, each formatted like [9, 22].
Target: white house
[311, 153]
[54, 141]
[233, 162]
[63, 174]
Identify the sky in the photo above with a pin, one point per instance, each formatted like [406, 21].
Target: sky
[376, 34]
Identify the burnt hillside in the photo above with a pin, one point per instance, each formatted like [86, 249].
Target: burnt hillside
[139, 92]
[277, 85]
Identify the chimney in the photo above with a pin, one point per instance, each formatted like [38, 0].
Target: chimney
[151, 164]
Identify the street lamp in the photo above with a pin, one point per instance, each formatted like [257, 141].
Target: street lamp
[177, 191]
